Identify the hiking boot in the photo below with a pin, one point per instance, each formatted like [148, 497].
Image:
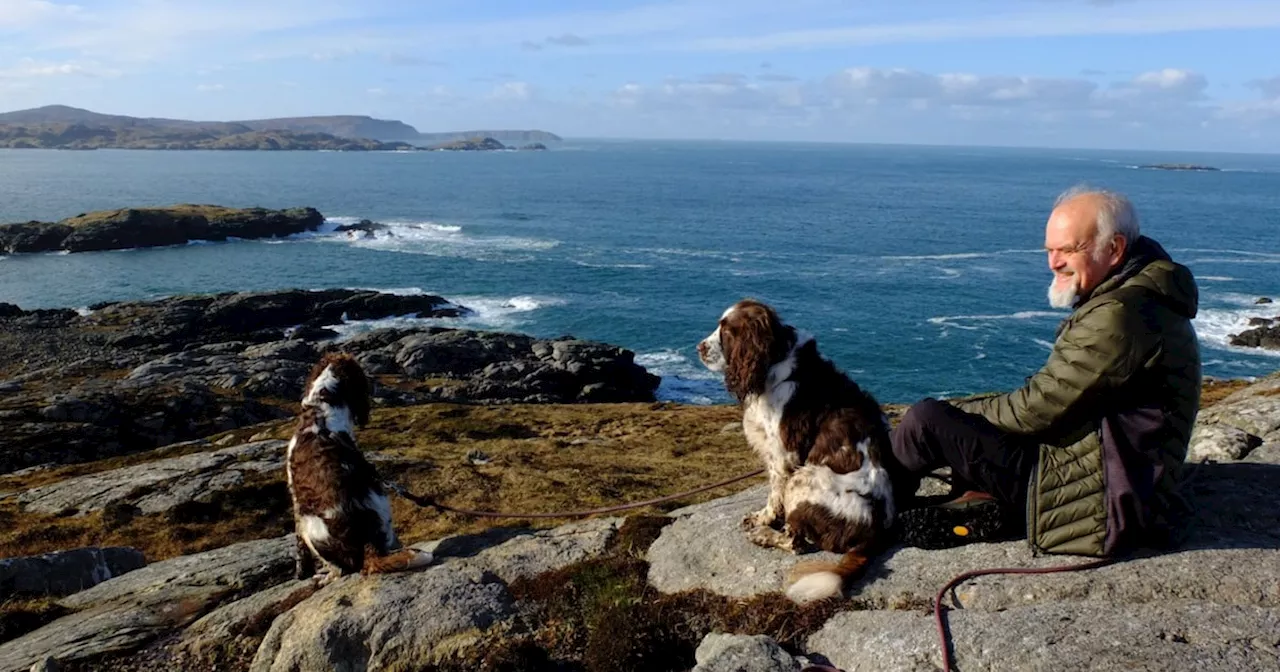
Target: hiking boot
[971, 518]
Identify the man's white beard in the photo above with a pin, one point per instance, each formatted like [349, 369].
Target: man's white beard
[1066, 296]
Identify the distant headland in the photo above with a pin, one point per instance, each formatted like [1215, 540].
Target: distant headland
[62, 127]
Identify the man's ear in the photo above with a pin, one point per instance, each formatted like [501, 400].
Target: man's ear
[1119, 247]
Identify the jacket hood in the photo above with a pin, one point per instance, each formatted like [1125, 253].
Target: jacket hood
[1150, 267]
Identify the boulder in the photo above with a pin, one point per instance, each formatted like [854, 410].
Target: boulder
[127, 612]
[156, 487]
[721, 652]
[66, 572]
[246, 619]
[407, 620]
[412, 620]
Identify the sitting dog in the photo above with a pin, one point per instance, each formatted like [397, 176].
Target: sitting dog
[821, 438]
[341, 513]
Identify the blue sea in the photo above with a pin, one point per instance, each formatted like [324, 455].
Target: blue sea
[918, 269]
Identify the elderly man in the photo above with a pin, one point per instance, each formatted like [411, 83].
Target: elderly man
[1089, 452]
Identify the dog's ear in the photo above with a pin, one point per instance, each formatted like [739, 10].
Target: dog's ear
[356, 389]
[752, 340]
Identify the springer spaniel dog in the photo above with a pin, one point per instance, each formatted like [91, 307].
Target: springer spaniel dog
[341, 513]
[822, 439]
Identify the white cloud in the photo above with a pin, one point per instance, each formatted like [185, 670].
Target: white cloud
[26, 13]
[31, 68]
[1169, 16]
[512, 91]
[1269, 87]
[210, 88]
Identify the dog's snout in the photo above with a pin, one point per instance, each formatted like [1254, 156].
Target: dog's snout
[702, 348]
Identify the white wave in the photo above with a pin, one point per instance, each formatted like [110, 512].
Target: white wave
[955, 320]
[1215, 326]
[684, 380]
[1216, 278]
[594, 265]
[1214, 250]
[423, 237]
[949, 274]
[487, 313]
[957, 255]
[1228, 260]
[200, 242]
[1043, 343]
[83, 311]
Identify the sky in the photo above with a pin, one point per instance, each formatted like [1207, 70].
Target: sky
[1124, 74]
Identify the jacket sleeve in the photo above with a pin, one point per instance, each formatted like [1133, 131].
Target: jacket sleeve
[1098, 352]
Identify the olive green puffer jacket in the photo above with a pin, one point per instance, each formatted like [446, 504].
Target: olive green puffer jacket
[1112, 411]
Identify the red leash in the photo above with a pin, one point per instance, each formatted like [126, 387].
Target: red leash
[940, 610]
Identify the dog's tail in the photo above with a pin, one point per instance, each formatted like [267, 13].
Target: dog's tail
[817, 580]
[398, 561]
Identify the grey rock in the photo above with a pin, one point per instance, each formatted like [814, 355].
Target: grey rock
[49, 664]
[1230, 557]
[1161, 636]
[721, 652]
[512, 554]
[125, 613]
[1254, 409]
[391, 621]
[243, 618]
[158, 486]
[66, 572]
[244, 566]
[408, 620]
[297, 350]
[1220, 442]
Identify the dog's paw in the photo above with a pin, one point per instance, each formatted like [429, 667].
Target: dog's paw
[326, 576]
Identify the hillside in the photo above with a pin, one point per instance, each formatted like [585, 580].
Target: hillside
[62, 135]
[55, 118]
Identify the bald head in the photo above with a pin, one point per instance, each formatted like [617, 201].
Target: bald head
[1086, 237]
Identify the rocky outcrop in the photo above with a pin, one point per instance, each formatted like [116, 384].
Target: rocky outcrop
[427, 617]
[504, 367]
[66, 572]
[1237, 426]
[69, 395]
[125, 613]
[477, 144]
[397, 620]
[158, 486]
[1265, 333]
[154, 227]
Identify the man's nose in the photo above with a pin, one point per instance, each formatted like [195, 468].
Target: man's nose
[1057, 260]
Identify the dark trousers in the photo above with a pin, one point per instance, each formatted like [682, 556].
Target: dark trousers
[935, 434]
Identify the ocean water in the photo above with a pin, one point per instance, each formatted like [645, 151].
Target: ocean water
[918, 269]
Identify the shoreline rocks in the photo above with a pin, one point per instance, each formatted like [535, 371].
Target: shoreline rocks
[132, 376]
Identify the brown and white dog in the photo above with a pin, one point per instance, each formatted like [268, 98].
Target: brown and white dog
[821, 438]
[341, 513]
